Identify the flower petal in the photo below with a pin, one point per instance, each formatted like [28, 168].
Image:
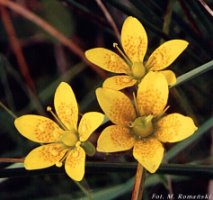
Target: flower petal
[152, 94]
[134, 39]
[116, 105]
[75, 164]
[66, 105]
[115, 138]
[38, 128]
[44, 156]
[174, 127]
[170, 76]
[149, 153]
[89, 122]
[119, 82]
[165, 54]
[107, 60]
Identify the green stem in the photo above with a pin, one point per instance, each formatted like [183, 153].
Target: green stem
[167, 18]
[84, 190]
[10, 112]
[137, 192]
[189, 170]
[193, 73]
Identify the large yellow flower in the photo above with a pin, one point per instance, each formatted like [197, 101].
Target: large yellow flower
[130, 65]
[143, 125]
[63, 142]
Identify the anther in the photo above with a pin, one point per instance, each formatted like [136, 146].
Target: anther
[59, 164]
[49, 109]
[115, 45]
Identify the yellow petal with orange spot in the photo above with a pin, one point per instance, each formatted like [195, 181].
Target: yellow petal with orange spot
[119, 82]
[134, 39]
[115, 138]
[116, 105]
[175, 127]
[166, 54]
[170, 76]
[107, 60]
[38, 128]
[149, 153]
[66, 105]
[75, 164]
[88, 124]
[152, 94]
[44, 156]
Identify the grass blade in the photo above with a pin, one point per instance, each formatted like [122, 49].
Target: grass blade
[194, 73]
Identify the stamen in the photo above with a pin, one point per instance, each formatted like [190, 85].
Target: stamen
[162, 113]
[49, 109]
[60, 162]
[135, 104]
[166, 109]
[115, 45]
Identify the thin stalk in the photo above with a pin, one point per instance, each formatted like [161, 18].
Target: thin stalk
[109, 18]
[51, 30]
[207, 8]
[167, 18]
[16, 47]
[94, 168]
[193, 73]
[84, 190]
[21, 160]
[138, 188]
[11, 160]
[10, 112]
[190, 18]
[133, 11]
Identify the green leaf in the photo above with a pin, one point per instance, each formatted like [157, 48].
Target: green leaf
[194, 73]
[113, 192]
[48, 91]
[133, 11]
[5, 82]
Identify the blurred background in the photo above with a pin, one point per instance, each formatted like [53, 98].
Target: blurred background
[34, 60]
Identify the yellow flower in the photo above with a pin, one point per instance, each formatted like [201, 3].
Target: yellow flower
[130, 65]
[142, 126]
[61, 143]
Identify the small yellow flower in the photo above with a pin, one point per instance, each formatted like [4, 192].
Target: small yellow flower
[130, 65]
[61, 143]
[142, 126]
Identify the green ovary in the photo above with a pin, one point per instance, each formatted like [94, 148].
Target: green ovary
[138, 70]
[69, 138]
[142, 126]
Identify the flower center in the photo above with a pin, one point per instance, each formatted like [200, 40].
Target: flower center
[138, 70]
[69, 138]
[142, 126]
